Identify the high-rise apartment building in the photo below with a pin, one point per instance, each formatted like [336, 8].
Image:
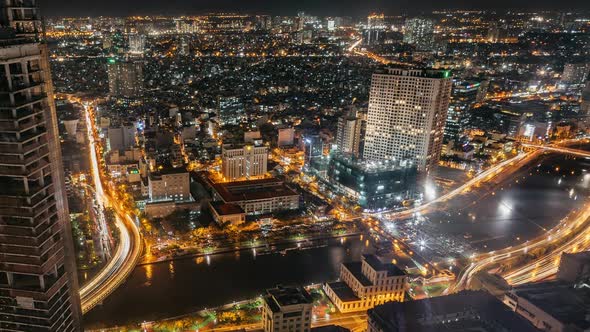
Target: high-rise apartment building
[247, 161]
[38, 284]
[230, 110]
[136, 43]
[406, 116]
[575, 73]
[419, 31]
[125, 78]
[350, 133]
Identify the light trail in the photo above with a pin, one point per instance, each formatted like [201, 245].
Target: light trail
[130, 245]
[354, 45]
[486, 175]
[575, 152]
[557, 240]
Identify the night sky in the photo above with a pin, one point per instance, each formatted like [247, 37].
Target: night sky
[288, 7]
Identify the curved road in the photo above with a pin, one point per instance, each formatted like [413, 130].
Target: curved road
[572, 234]
[517, 161]
[130, 246]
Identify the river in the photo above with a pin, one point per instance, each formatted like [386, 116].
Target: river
[497, 215]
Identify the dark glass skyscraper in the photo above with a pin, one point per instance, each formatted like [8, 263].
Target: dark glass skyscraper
[38, 287]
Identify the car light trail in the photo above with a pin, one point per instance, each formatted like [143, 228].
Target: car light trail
[130, 246]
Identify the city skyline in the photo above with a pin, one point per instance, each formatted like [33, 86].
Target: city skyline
[294, 166]
[290, 7]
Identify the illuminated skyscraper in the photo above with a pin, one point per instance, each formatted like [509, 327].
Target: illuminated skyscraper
[38, 285]
[406, 116]
[125, 78]
[420, 33]
[136, 44]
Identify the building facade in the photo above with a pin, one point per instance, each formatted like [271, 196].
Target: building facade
[406, 116]
[287, 309]
[464, 96]
[121, 137]
[38, 283]
[244, 162]
[169, 184]
[553, 305]
[366, 284]
[575, 73]
[230, 110]
[351, 133]
[125, 78]
[373, 185]
[257, 197]
[419, 31]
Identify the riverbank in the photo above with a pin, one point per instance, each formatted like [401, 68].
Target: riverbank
[261, 245]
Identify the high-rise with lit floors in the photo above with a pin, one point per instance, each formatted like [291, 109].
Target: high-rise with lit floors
[419, 31]
[38, 286]
[125, 78]
[406, 116]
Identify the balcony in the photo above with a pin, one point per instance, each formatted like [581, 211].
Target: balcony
[20, 126]
[22, 101]
[19, 171]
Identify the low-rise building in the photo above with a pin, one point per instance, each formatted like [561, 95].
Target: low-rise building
[169, 184]
[287, 309]
[574, 266]
[464, 311]
[366, 284]
[168, 190]
[224, 213]
[552, 306]
[257, 196]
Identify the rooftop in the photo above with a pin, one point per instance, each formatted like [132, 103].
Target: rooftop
[356, 269]
[568, 303]
[252, 190]
[224, 209]
[480, 309]
[286, 296]
[343, 291]
[377, 265]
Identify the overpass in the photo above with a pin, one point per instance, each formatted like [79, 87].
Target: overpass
[559, 149]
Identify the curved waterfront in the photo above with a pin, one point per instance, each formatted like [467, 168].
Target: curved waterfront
[494, 216]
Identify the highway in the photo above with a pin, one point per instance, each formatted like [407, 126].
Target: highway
[129, 248]
[572, 234]
[515, 162]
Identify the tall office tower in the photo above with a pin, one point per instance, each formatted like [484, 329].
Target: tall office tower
[245, 161]
[464, 96]
[38, 284]
[136, 44]
[125, 78]
[406, 116]
[575, 73]
[419, 32]
[351, 133]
